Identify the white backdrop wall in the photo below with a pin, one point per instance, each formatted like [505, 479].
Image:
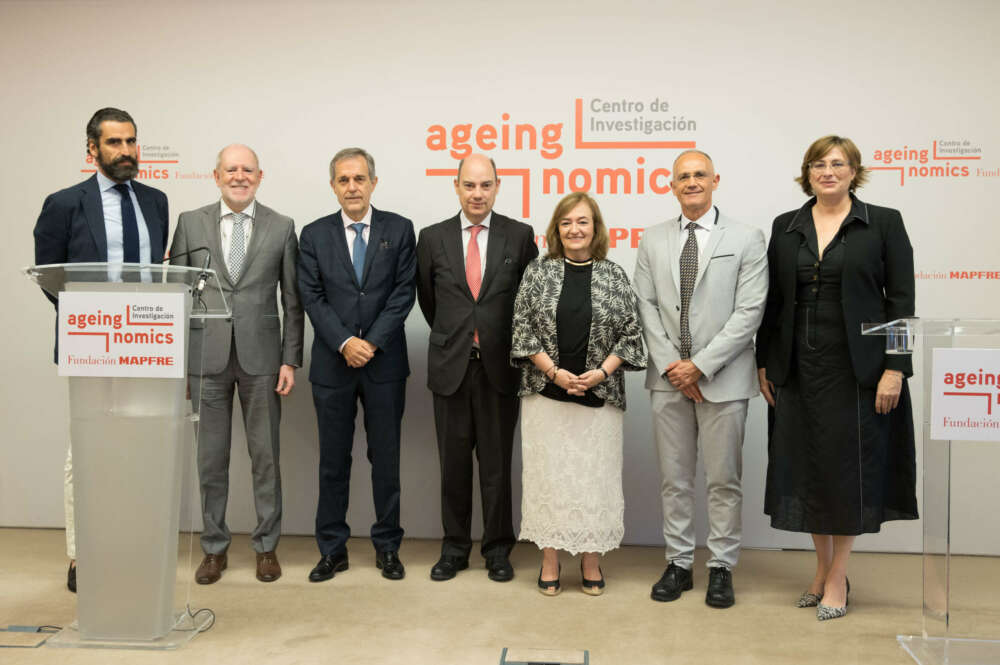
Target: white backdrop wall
[913, 83]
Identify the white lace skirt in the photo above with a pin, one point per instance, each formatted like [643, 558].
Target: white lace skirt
[572, 475]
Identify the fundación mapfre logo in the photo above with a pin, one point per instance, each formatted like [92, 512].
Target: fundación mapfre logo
[965, 403]
[121, 334]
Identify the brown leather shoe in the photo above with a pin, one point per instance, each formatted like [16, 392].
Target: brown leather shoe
[211, 568]
[268, 568]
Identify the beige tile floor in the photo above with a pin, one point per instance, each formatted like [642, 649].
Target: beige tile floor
[360, 618]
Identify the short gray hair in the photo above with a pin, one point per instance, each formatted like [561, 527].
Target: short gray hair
[347, 153]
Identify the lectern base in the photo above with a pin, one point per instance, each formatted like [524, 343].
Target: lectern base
[950, 650]
[544, 657]
[184, 630]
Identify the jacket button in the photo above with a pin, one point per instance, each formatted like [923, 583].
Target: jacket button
[815, 265]
[362, 293]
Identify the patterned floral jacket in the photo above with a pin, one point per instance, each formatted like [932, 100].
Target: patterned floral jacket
[614, 326]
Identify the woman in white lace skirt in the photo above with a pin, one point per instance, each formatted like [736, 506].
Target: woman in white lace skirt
[575, 331]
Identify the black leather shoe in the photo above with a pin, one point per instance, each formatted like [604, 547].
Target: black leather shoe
[329, 564]
[447, 567]
[71, 578]
[392, 567]
[499, 568]
[673, 581]
[720, 588]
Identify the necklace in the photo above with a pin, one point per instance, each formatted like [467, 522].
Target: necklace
[578, 263]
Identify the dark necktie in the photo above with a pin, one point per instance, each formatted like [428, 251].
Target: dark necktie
[130, 227]
[360, 246]
[689, 270]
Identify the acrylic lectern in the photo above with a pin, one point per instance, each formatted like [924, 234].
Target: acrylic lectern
[961, 569]
[130, 434]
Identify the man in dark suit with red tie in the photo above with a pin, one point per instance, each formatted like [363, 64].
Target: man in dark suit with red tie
[109, 217]
[356, 270]
[469, 270]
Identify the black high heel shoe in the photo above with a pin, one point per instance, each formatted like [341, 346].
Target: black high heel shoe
[592, 587]
[549, 587]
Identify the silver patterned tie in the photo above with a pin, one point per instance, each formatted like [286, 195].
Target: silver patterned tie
[237, 246]
[689, 270]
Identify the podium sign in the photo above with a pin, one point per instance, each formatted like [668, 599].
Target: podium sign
[122, 334]
[965, 403]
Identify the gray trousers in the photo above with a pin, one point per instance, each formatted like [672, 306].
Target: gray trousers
[682, 429]
[261, 408]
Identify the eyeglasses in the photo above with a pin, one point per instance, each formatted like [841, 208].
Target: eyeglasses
[699, 176]
[836, 166]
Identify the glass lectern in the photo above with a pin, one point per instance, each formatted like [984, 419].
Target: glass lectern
[961, 569]
[131, 435]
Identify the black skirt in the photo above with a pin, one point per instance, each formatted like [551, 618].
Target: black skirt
[835, 466]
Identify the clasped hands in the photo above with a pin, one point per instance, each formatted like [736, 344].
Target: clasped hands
[577, 385]
[684, 375]
[357, 352]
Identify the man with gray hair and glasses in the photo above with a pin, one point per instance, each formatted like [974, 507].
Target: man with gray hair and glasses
[701, 280]
[356, 278]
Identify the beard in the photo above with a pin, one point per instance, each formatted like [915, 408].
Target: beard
[121, 169]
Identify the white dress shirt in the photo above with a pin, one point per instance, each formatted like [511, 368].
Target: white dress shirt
[482, 239]
[702, 231]
[350, 235]
[111, 201]
[226, 227]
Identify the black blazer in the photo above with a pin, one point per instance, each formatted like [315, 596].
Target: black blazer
[70, 228]
[450, 310]
[877, 285]
[339, 307]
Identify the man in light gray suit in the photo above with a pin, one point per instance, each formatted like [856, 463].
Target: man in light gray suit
[254, 251]
[701, 280]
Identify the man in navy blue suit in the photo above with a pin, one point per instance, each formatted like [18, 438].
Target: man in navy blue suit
[108, 217]
[356, 280]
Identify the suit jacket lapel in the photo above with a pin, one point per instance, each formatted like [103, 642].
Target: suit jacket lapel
[150, 215]
[713, 241]
[496, 243]
[261, 227]
[93, 210]
[375, 235]
[674, 253]
[339, 239]
[452, 240]
[212, 225]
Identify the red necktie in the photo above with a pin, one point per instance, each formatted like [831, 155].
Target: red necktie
[473, 267]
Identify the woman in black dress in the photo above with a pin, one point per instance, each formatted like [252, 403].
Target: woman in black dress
[841, 454]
